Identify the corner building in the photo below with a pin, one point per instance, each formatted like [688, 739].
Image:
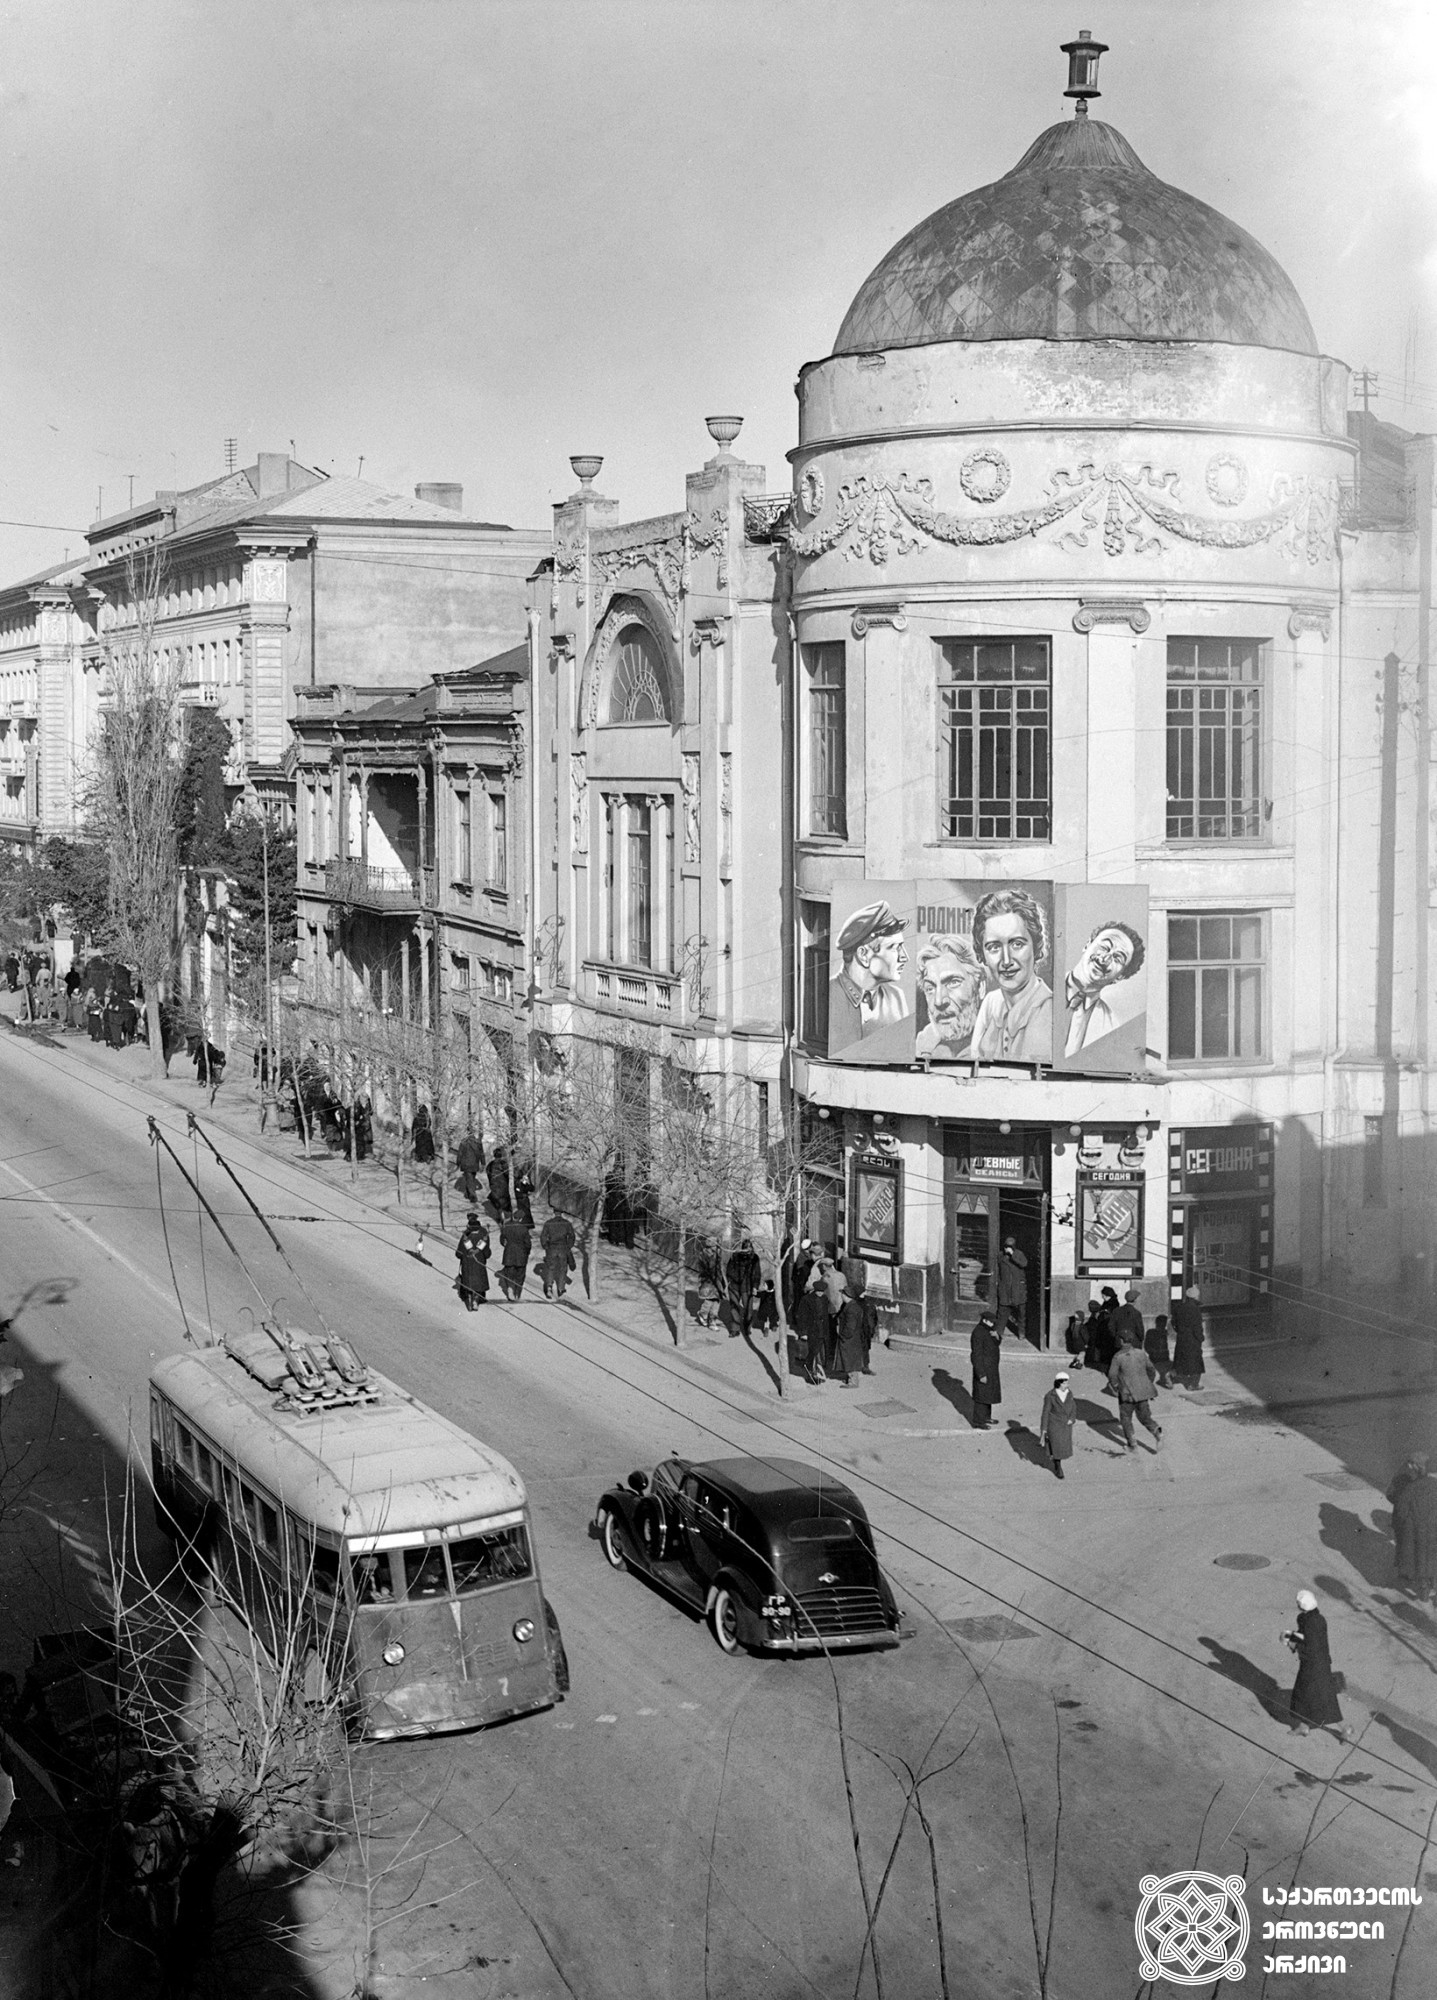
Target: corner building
[1089, 599]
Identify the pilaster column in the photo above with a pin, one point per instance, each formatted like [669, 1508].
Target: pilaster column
[1112, 627]
[619, 906]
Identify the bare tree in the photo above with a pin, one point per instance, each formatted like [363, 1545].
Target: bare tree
[591, 1116]
[135, 786]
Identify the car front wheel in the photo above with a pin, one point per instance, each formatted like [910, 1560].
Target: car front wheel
[723, 1618]
[609, 1539]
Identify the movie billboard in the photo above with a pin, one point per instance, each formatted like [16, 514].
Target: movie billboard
[1100, 987]
[871, 992]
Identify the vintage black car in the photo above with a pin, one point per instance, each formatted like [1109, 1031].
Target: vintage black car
[775, 1554]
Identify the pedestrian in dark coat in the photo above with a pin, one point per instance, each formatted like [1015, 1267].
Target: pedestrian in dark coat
[803, 1261]
[987, 1382]
[12, 971]
[1012, 1300]
[765, 1308]
[742, 1275]
[1107, 1340]
[1127, 1322]
[112, 1019]
[363, 1129]
[498, 1175]
[1414, 1521]
[1314, 1695]
[1056, 1421]
[469, 1159]
[94, 1016]
[556, 1239]
[811, 1327]
[1187, 1339]
[1131, 1375]
[1155, 1346]
[1092, 1334]
[514, 1266]
[848, 1346]
[421, 1136]
[473, 1254]
[524, 1196]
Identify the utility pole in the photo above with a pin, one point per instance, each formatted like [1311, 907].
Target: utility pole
[268, 979]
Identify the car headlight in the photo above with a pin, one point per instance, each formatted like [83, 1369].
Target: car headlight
[524, 1631]
[393, 1653]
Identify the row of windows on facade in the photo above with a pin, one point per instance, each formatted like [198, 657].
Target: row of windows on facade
[493, 830]
[201, 590]
[1217, 984]
[994, 777]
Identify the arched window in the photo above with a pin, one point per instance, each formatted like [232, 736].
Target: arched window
[636, 691]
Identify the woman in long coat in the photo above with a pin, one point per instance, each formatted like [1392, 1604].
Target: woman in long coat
[811, 1326]
[1187, 1339]
[473, 1255]
[1314, 1695]
[1055, 1424]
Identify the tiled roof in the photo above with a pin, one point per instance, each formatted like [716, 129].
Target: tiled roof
[1078, 242]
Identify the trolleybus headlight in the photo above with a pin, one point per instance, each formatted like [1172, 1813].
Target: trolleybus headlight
[524, 1631]
[393, 1653]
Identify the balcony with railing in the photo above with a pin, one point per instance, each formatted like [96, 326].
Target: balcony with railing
[639, 990]
[367, 888]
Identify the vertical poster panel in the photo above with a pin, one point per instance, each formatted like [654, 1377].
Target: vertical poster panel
[875, 1221]
[871, 985]
[984, 953]
[1101, 984]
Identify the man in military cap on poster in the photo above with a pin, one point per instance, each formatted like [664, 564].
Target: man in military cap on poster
[868, 992]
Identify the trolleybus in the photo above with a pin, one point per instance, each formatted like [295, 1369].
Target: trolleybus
[404, 1545]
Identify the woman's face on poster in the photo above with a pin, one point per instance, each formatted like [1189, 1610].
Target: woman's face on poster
[1008, 951]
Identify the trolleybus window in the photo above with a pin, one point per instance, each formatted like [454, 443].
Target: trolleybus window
[424, 1573]
[373, 1579]
[497, 1557]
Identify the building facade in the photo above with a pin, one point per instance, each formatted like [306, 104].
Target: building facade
[1110, 885]
[254, 586]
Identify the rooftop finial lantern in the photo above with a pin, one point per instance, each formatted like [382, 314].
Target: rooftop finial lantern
[586, 469]
[723, 430]
[1083, 69]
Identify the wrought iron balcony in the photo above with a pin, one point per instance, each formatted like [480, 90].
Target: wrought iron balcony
[379, 888]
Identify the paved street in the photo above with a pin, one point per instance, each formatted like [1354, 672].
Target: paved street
[1085, 1676]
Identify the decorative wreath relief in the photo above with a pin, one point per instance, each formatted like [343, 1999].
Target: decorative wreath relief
[985, 475]
[1226, 479]
[811, 491]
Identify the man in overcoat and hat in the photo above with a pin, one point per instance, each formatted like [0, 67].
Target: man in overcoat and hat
[987, 1382]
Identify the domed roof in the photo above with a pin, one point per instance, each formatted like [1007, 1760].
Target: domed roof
[1078, 242]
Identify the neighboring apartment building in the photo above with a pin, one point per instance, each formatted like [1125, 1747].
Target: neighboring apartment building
[272, 578]
[411, 826]
[1111, 879]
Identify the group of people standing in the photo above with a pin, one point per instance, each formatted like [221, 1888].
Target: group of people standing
[1175, 1347]
[834, 1318]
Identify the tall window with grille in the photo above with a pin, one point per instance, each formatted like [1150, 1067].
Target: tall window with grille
[994, 739]
[813, 975]
[827, 746]
[1217, 972]
[1215, 739]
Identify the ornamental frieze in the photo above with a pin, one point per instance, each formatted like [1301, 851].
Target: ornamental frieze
[1128, 508]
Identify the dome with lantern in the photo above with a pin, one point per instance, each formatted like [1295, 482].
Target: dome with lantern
[1080, 241]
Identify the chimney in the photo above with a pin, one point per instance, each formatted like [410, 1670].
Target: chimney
[441, 493]
[273, 473]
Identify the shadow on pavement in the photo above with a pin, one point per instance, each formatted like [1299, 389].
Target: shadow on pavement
[1372, 1555]
[1421, 1749]
[1245, 1673]
[952, 1391]
[1028, 1446]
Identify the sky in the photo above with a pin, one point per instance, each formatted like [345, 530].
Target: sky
[464, 239]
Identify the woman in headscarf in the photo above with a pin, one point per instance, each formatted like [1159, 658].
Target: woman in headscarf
[1055, 1424]
[1314, 1695]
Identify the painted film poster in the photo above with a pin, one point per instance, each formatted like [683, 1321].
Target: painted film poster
[1100, 993]
[964, 971]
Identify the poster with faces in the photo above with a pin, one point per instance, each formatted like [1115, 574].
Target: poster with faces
[983, 972]
[871, 992]
[1100, 984]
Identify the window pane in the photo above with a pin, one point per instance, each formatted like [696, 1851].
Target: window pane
[1215, 937]
[424, 1573]
[1215, 1029]
[1182, 938]
[482, 1560]
[1247, 1012]
[1182, 1016]
[1247, 937]
[827, 780]
[373, 1582]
